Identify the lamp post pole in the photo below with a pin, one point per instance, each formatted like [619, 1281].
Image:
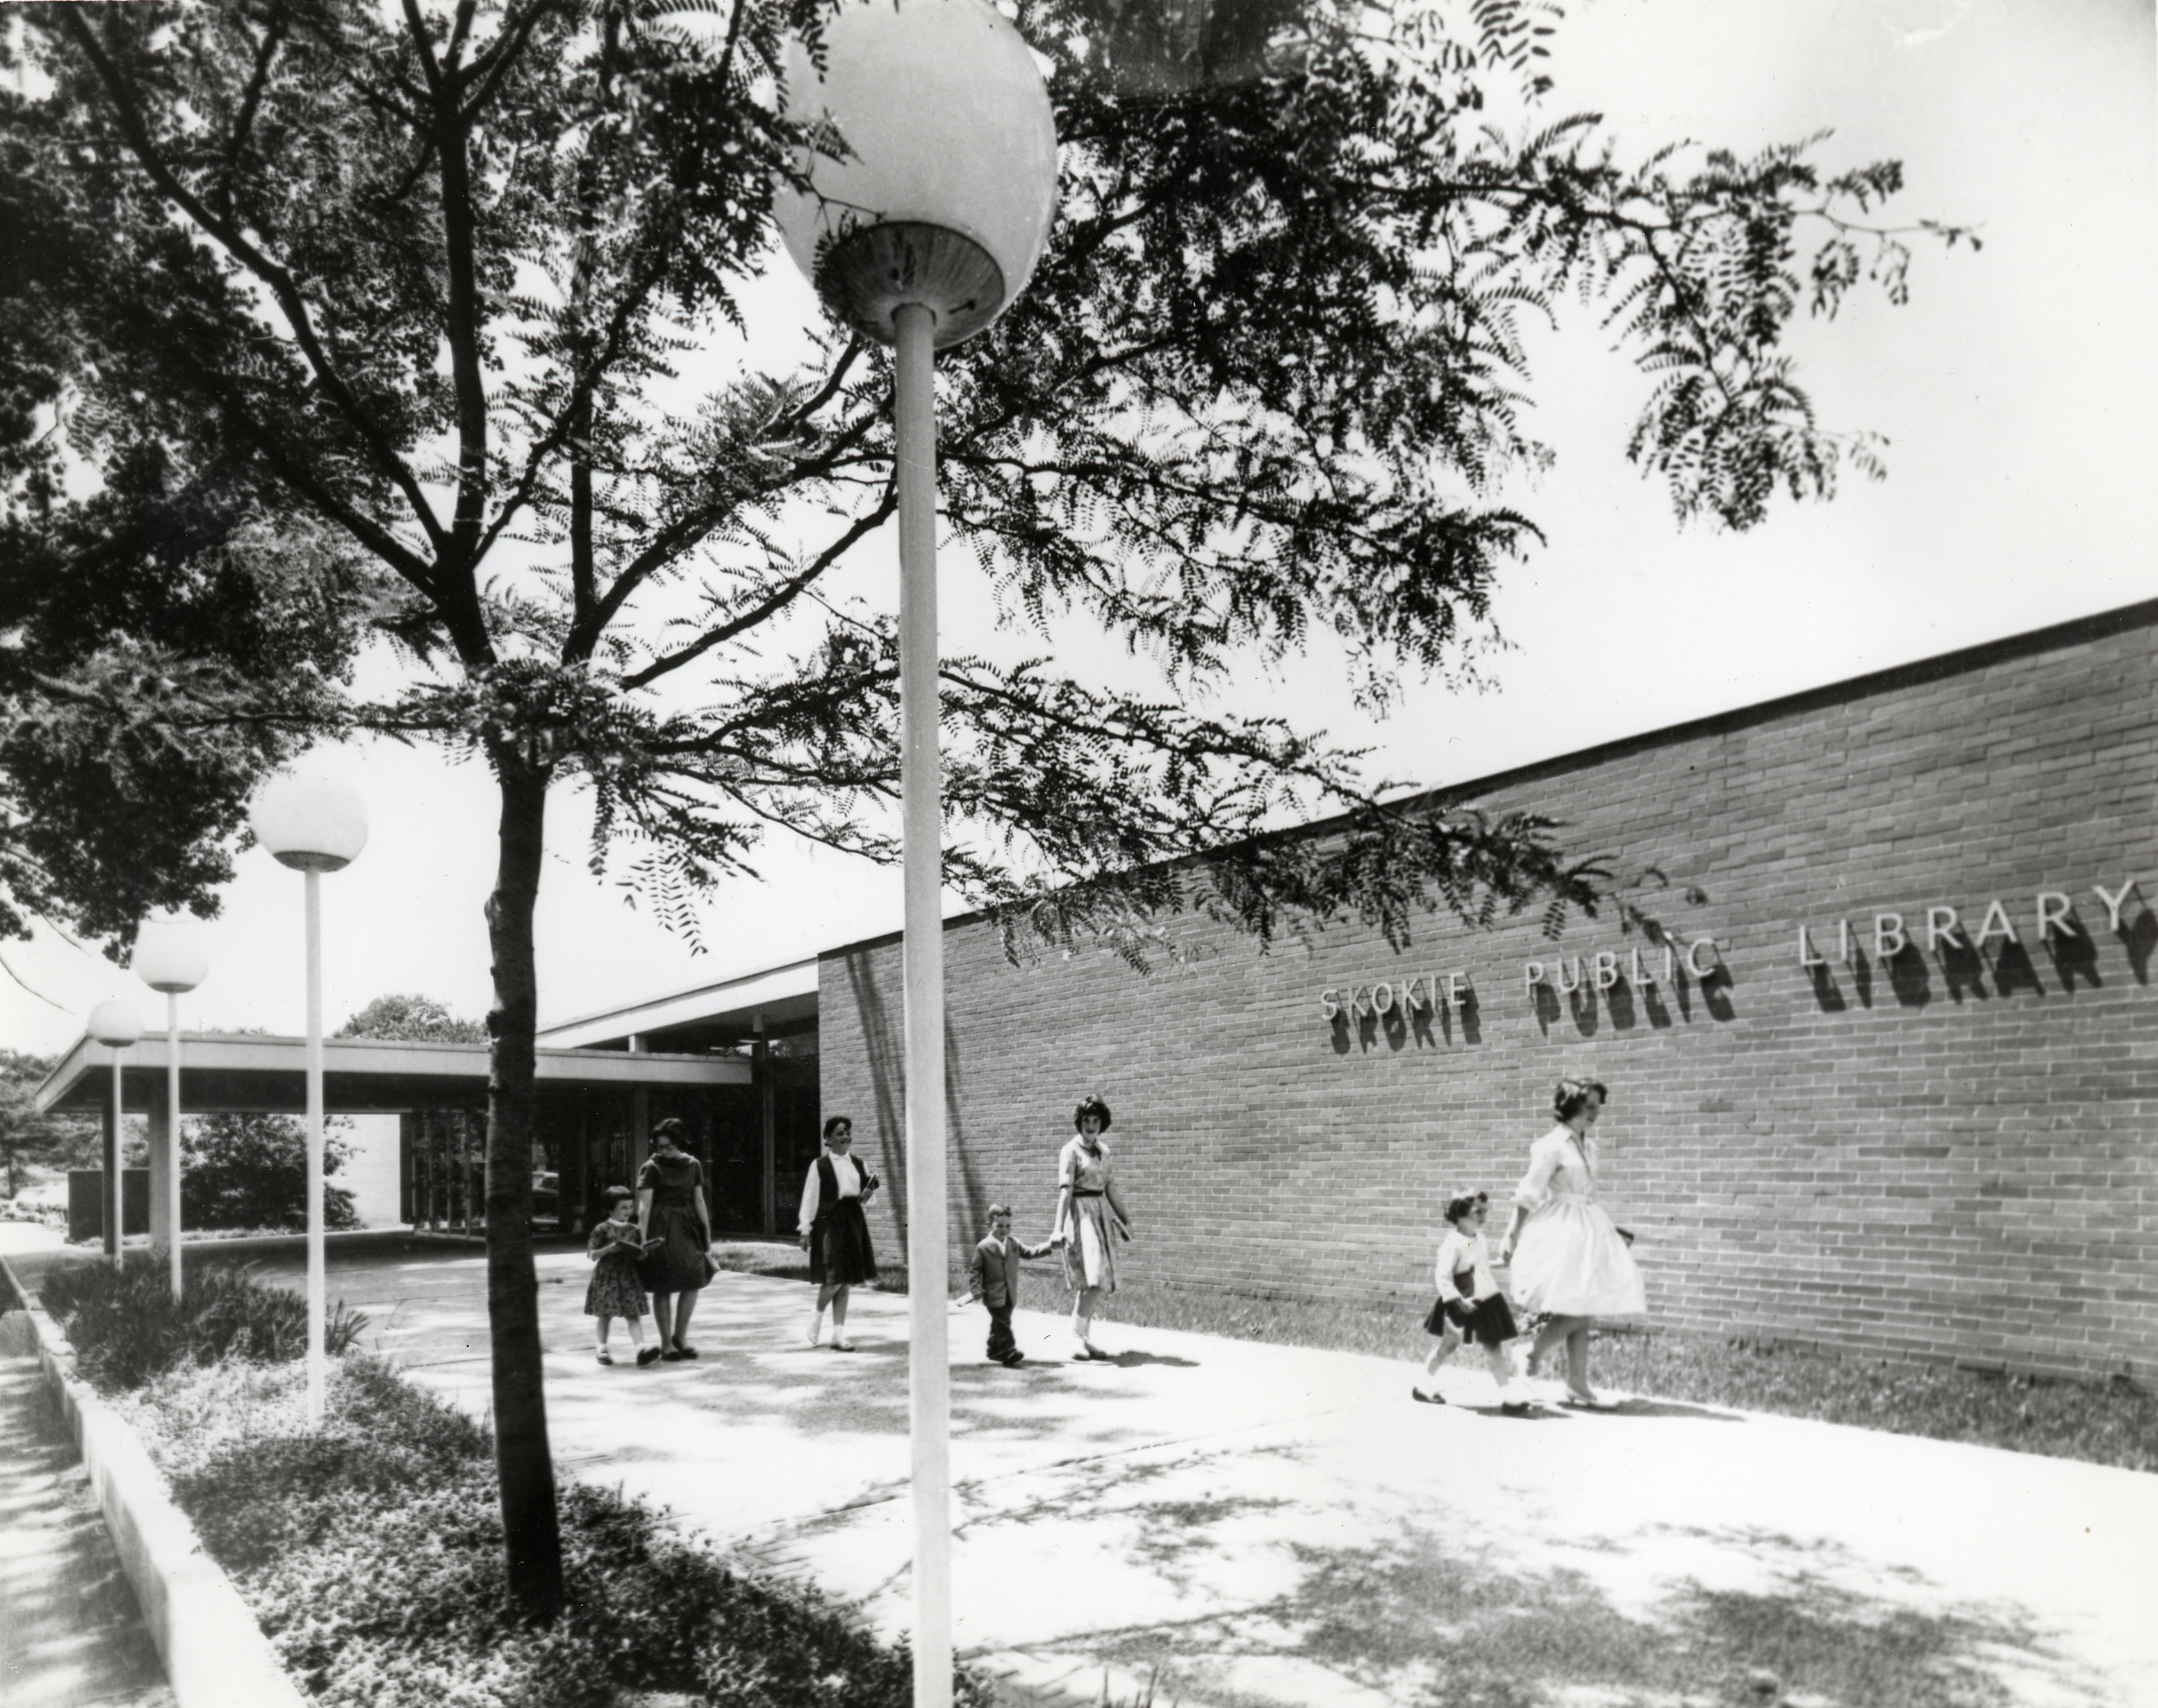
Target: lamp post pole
[168, 958]
[921, 787]
[315, 825]
[919, 236]
[172, 1139]
[318, 1262]
[113, 1024]
[116, 1174]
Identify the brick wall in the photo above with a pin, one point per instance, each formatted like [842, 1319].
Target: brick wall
[1948, 1152]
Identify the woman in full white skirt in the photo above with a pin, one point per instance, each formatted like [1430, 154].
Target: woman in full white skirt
[1565, 1258]
[1090, 1218]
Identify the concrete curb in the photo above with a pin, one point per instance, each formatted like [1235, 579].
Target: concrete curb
[215, 1655]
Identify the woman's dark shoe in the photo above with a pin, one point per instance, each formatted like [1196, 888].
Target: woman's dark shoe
[647, 1355]
[1428, 1399]
[671, 1356]
[686, 1349]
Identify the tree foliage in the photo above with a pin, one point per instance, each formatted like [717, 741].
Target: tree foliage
[250, 1171]
[429, 295]
[416, 1018]
[31, 1140]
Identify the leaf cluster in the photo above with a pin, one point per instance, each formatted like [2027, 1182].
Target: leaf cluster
[439, 289]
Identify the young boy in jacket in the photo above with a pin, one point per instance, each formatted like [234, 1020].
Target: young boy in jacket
[993, 1277]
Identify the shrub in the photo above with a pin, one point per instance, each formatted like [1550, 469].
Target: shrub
[371, 1552]
[126, 1327]
[250, 1171]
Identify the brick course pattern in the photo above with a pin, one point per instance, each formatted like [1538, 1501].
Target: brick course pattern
[1947, 1152]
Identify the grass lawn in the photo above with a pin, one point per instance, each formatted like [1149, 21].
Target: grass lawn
[2109, 1423]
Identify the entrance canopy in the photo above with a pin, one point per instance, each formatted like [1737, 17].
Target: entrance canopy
[223, 1073]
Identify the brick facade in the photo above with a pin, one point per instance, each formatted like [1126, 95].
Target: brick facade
[1951, 1152]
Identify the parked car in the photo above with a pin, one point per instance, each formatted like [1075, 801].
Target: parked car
[546, 1195]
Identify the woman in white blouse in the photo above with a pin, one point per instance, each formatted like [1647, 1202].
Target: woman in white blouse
[1565, 1258]
[835, 1231]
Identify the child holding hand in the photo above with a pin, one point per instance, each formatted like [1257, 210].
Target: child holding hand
[993, 1277]
[1469, 1305]
[616, 1248]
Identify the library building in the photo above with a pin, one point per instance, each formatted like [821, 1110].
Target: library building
[1890, 1084]
[1888, 1081]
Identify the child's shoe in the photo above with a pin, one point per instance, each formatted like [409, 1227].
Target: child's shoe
[1428, 1396]
[603, 1356]
[841, 1343]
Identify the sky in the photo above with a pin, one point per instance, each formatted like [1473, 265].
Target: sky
[2018, 392]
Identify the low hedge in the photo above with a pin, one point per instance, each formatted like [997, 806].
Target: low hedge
[371, 1552]
[126, 1327]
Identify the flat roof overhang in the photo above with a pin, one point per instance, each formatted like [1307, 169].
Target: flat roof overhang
[222, 1073]
[778, 996]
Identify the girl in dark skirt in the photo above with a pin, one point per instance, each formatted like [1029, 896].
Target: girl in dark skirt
[615, 1290]
[835, 1231]
[1470, 1305]
[678, 1234]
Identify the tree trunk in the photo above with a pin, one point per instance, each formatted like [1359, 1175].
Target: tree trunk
[523, 1462]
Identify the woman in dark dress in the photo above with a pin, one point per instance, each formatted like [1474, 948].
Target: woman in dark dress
[835, 1231]
[670, 1209]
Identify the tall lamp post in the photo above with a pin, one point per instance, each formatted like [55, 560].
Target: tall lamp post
[926, 232]
[315, 825]
[169, 957]
[116, 1026]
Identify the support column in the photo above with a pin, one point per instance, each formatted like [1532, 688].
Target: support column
[113, 1183]
[640, 1115]
[162, 1231]
[768, 1123]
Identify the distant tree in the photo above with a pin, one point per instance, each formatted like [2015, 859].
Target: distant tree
[416, 1019]
[29, 1139]
[250, 1171]
[429, 286]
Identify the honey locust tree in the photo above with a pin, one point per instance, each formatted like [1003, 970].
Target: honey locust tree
[436, 281]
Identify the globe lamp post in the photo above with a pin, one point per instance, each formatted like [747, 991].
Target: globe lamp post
[116, 1026]
[919, 238]
[314, 825]
[169, 957]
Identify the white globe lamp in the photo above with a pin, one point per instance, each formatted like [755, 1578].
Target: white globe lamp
[314, 823]
[115, 1024]
[922, 226]
[946, 195]
[171, 958]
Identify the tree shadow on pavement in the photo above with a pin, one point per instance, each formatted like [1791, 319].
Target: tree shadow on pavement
[1430, 1620]
[1657, 1408]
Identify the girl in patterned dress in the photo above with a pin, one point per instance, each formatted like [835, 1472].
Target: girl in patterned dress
[1090, 1219]
[615, 1290]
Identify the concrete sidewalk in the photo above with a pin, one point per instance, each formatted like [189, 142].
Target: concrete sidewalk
[1261, 1525]
[70, 1634]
